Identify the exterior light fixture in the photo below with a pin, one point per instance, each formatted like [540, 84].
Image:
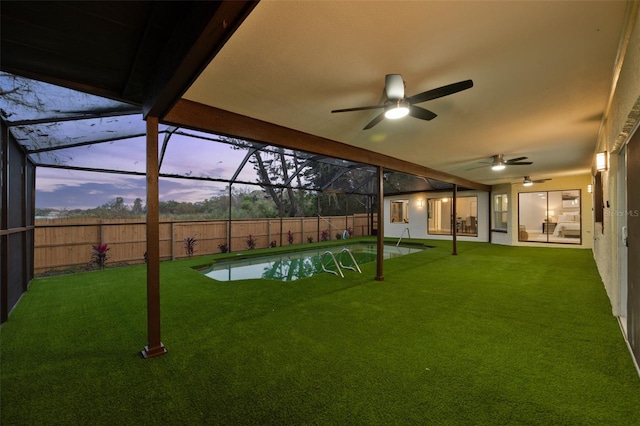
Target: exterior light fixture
[527, 181]
[498, 163]
[419, 203]
[602, 160]
[445, 200]
[398, 109]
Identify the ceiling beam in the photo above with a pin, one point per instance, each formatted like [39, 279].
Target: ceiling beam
[197, 116]
[192, 45]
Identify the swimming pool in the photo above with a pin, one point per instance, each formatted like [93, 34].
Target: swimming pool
[301, 264]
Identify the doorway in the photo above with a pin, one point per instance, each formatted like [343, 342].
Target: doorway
[632, 214]
[621, 225]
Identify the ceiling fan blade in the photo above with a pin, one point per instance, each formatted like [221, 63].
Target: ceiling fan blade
[421, 113]
[513, 160]
[440, 92]
[375, 121]
[394, 86]
[364, 108]
[540, 180]
[524, 163]
[478, 167]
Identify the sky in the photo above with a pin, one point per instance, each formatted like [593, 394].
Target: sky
[72, 189]
[69, 189]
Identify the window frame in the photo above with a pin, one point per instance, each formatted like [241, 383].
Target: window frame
[495, 213]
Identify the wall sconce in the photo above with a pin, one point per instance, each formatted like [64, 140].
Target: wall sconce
[419, 203]
[445, 200]
[589, 188]
[602, 161]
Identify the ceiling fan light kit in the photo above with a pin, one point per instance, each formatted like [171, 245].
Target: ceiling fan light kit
[527, 181]
[398, 110]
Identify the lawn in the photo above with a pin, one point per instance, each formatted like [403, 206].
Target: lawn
[496, 336]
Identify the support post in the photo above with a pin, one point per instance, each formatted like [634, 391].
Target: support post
[4, 225]
[454, 213]
[155, 346]
[380, 238]
[229, 221]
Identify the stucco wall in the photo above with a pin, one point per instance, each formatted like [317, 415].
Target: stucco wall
[621, 118]
[417, 224]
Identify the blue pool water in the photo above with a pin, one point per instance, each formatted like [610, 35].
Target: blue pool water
[292, 266]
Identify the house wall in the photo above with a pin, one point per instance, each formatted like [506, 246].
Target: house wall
[619, 123]
[417, 224]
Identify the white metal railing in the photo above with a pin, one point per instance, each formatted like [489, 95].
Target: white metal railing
[355, 266]
[402, 235]
[335, 262]
[338, 262]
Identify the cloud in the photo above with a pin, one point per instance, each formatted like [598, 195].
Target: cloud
[70, 189]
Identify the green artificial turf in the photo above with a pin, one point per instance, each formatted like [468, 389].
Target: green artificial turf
[494, 336]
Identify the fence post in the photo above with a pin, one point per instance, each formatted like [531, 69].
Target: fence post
[173, 240]
[302, 230]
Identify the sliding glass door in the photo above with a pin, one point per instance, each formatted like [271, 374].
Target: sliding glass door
[440, 217]
[550, 217]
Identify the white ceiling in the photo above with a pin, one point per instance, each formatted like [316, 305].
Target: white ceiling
[542, 73]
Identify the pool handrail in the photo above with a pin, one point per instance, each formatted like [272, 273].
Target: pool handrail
[402, 235]
[335, 262]
[356, 267]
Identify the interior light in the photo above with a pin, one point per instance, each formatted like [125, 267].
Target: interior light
[589, 188]
[601, 161]
[445, 200]
[527, 181]
[419, 203]
[398, 109]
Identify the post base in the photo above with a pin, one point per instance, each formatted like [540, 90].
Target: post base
[153, 352]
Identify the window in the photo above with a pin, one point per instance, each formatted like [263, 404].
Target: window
[550, 217]
[400, 211]
[500, 211]
[440, 219]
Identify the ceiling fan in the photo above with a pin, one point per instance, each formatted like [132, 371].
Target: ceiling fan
[397, 105]
[527, 181]
[499, 163]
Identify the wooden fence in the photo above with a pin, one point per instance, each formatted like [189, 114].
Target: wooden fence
[67, 243]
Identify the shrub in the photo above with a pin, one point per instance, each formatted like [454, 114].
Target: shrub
[273, 244]
[290, 237]
[99, 255]
[250, 242]
[189, 245]
[223, 247]
[324, 235]
[338, 236]
[309, 239]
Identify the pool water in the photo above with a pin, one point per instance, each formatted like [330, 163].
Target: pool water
[301, 264]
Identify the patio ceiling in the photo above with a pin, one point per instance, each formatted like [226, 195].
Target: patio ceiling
[542, 71]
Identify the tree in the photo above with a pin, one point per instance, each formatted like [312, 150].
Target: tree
[137, 209]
